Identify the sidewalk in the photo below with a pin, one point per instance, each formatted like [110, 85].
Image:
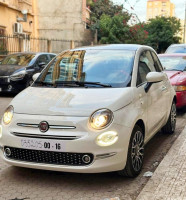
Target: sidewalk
[169, 179]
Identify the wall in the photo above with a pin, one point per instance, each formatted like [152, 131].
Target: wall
[9, 13]
[61, 19]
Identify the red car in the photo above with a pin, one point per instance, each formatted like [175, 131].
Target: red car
[175, 68]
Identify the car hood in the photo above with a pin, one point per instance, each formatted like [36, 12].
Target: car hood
[70, 101]
[177, 77]
[7, 70]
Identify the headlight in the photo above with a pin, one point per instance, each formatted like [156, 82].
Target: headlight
[8, 115]
[107, 139]
[101, 119]
[179, 88]
[18, 75]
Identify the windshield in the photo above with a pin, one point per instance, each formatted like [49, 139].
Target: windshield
[174, 63]
[18, 59]
[93, 68]
[177, 49]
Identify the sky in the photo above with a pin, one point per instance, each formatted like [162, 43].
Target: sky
[141, 5]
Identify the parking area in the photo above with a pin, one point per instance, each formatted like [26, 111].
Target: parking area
[20, 183]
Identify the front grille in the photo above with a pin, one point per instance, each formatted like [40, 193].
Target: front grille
[4, 80]
[48, 157]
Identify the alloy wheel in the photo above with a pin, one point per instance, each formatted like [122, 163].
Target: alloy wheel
[137, 152]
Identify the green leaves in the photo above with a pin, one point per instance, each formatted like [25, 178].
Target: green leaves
[163, 31]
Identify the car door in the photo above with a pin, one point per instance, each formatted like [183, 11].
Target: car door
[155, 99]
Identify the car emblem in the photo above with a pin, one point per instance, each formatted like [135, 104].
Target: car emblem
[43, 127]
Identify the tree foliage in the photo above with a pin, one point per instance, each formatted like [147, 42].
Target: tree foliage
[163, 31]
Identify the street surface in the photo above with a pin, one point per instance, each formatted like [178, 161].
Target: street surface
[20, 183]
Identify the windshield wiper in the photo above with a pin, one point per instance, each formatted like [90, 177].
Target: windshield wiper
[44, 83]
[82, 83]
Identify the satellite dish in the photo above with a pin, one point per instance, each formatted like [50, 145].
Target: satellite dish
[24, 12]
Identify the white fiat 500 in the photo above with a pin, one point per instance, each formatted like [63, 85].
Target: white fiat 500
[91, 110]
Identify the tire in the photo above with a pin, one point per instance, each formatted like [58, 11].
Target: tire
[170, 126]
[135, 154]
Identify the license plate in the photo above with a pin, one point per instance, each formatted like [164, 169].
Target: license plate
[40, 144]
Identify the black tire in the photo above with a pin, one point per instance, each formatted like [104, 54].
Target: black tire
[170, 126]
[135, 154]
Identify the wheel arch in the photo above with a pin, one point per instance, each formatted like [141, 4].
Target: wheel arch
[141, 124]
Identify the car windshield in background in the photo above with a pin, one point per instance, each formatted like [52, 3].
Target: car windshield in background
[174, 63]
[18, 59]
[176, 49]
[89, 68]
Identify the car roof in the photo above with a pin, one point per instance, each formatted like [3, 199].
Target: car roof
[133, 47]
[177, 45]
[172, 55]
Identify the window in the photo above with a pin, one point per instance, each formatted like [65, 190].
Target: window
[43, 59]
[146, 65]
[157, 63]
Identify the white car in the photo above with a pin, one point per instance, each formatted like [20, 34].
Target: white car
[91, 110]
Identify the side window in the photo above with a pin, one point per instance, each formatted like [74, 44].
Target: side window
[42, 59]
[146, 65]
[52, 56]
[157, 63]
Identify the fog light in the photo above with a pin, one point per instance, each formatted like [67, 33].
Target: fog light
[7, 152]
[86, 159]
[1, 131]
[9, 87]
[107, 138]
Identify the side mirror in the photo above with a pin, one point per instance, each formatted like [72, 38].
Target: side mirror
[41, 64]
[35, 76]
[154, 77]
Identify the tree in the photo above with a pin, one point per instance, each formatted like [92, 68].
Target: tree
[162, 32]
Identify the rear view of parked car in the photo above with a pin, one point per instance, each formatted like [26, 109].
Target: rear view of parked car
[16, 70]
[90, 110]
[175, 68]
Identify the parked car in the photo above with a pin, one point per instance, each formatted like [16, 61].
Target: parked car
[175, 67]
[176, 48]
[91, 110]
[16, 70]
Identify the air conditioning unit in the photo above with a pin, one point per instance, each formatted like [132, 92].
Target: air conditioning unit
[18, 28]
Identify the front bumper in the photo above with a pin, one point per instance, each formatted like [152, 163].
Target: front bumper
[105, 159]
[8, 86]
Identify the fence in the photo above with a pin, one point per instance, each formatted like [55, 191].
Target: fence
[13, 44]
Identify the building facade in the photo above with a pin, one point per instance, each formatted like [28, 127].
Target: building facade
[160, 8]
[61, 19]
[16, 17]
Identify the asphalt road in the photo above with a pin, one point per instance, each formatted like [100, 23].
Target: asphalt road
[20, 183]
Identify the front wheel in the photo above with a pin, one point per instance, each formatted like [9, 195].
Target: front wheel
[135, 154]
[171, 123]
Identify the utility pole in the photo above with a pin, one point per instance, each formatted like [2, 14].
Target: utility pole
[184, 25]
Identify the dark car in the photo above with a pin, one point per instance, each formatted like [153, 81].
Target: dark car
[176, 48]
[16, 70]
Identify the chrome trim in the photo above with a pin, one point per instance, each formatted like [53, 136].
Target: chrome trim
[28, 125]
[62, 127]
[4, 76]
[46, 136]
[50, 126]
[106, 155]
